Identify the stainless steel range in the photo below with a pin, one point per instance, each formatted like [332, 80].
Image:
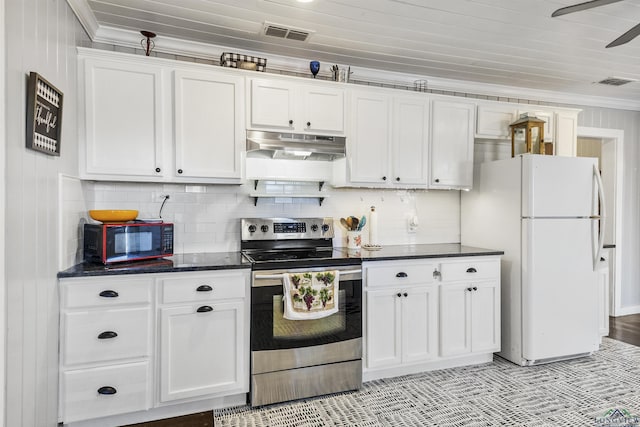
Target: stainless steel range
[293, 359]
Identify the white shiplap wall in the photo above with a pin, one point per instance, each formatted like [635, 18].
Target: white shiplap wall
[41, 36]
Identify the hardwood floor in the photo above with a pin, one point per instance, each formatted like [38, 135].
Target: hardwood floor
[202, 419]
[625, 328]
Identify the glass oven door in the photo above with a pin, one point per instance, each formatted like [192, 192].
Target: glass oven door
[271, 331]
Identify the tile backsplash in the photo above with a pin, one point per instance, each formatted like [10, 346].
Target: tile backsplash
[206, 217]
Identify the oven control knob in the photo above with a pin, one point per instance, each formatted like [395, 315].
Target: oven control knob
[264, 228]
[314, 227]
[325, 227]
[252, 228]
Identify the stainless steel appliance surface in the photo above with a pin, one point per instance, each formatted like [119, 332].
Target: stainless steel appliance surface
[294, 359]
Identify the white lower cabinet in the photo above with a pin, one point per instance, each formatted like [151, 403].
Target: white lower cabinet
[203, 350]
[430, 313]
[133, 343]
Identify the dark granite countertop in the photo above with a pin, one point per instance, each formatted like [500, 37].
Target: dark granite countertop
[398, 252]
[234, 260]
[173, 264]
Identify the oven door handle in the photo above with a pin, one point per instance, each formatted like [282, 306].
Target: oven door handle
[280, 276]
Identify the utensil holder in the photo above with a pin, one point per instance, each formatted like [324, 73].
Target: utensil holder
[354, 239]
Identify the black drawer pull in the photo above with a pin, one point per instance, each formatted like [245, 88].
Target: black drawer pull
[107, 335]
[602, 259]
[401, 274]
[471, 270]
[109, 294]
[205, 309]
[204, 288]
[107, 390]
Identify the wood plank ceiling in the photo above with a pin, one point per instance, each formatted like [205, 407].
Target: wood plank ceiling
[504, 42]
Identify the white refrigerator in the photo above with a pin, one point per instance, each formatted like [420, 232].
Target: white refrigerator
[544, 212]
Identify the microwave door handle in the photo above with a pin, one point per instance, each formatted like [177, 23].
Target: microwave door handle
[602, 218]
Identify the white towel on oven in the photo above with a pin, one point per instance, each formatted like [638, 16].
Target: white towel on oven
[310, 295]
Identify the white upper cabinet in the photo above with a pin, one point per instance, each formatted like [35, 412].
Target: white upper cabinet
[451, 157]
[150, 119]
[208, 138]
[123, 116]
[494, 119]
[388, 140]
[290, 106]
[566, 142]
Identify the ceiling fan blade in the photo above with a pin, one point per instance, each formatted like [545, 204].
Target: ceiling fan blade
[582, 6]
[626, 37]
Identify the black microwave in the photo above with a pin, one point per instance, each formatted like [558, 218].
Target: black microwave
[111, 243]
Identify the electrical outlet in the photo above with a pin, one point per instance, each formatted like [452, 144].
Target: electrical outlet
[412, 224]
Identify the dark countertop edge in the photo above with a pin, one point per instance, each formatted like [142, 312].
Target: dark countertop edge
[421, 256]
[148, 270]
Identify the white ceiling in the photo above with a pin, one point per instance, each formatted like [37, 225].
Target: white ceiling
[497, 42]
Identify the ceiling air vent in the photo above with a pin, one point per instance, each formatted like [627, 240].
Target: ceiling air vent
[615, 81]
[285, 32]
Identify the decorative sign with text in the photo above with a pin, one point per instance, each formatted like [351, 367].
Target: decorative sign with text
[44, 115]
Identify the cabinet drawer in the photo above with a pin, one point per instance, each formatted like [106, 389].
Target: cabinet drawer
[89, 335]
[400, 274]
[81, 398]
[204, 287]
[106, 292]
[470, 270]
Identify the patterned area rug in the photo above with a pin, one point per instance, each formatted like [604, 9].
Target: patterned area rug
[569, 393]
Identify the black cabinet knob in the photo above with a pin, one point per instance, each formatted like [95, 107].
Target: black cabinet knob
[290, 122]
[107, 335]
[308, 124]
[398, 178]
[204, 288]
[179, 171]
[204, 309]
[469, 289]
[602, 259]
[405, 294]
[475, 288]
[384, 178]
[401, 274]
[107, 390]
[108, 294]
[398, 294]
[158, 170]
[437, 180]
[471, 270]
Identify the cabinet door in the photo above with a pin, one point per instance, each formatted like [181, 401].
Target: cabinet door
[123, 120]
[208, 126]
[494, 120]
[455, 319]
[419, 323]
[271, 105]
[452, 125]
[369, 139]
[202, 353]
[383, 334]
[566, 142]
[485, 317]
[410, 139]
[323, 110]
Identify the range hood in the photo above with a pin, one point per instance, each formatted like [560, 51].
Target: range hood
[295, 146]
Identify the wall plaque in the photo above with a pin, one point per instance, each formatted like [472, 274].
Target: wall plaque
[44, 115]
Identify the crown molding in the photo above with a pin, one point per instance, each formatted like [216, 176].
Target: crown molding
[174, 46]
[85, 16]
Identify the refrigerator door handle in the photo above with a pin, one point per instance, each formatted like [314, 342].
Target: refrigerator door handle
[596, 174]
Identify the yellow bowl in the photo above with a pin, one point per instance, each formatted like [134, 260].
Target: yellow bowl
[113, 215]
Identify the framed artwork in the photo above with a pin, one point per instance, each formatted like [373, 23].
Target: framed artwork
[44, 115]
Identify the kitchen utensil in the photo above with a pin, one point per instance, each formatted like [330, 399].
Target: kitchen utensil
[362, 223]
[349, 221]
[344, 223]
[113, 215]
[354, 223]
